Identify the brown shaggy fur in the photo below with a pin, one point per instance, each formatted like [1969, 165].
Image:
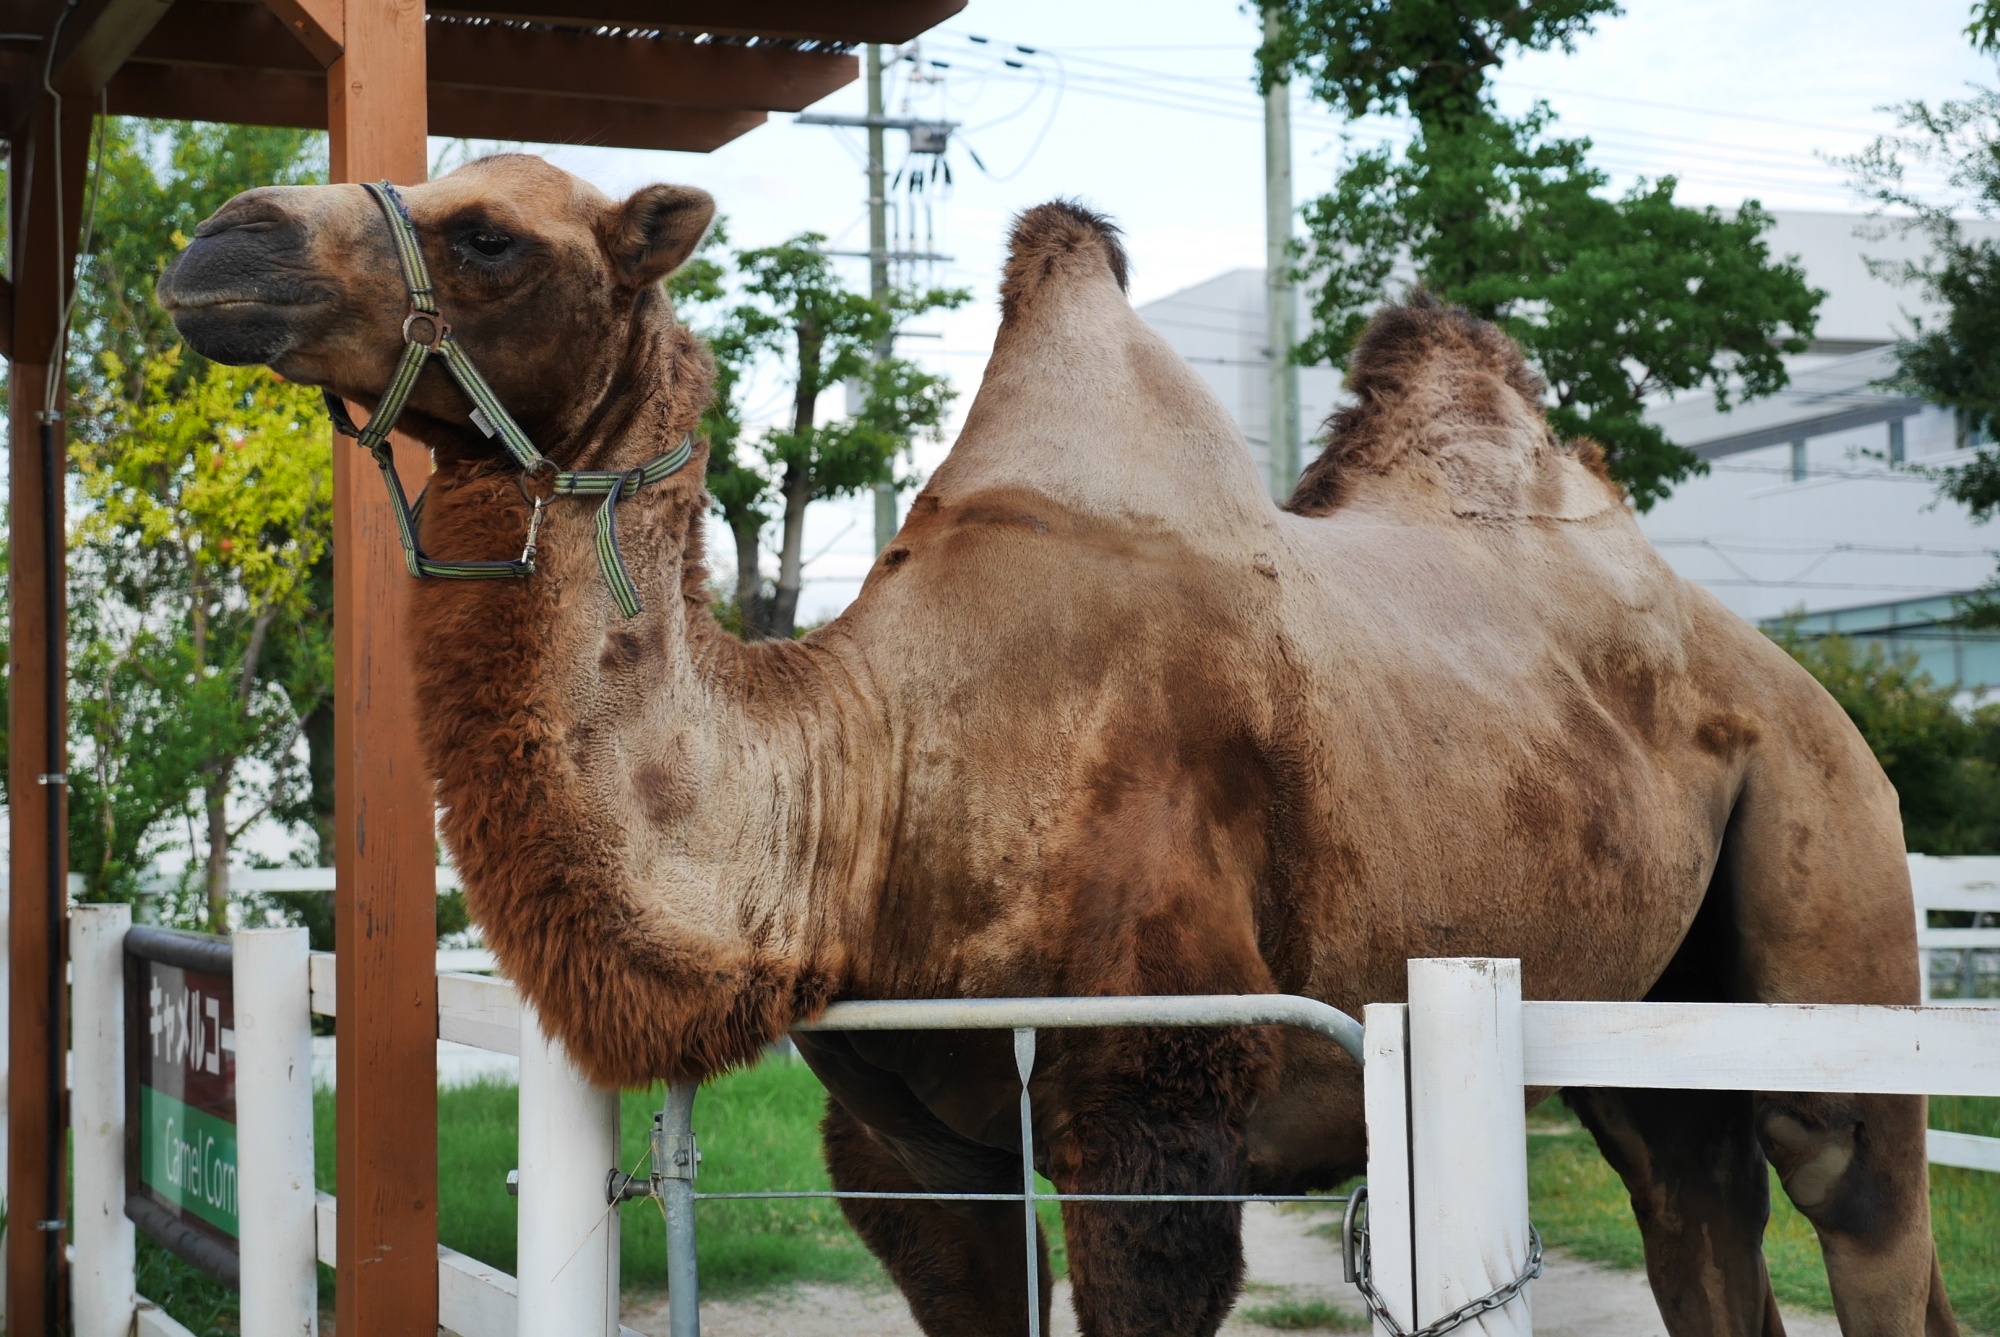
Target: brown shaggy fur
[1105, 720]
[1419, 339]
[1050, 238]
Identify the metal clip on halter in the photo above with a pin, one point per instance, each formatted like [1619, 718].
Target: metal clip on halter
[426, 334]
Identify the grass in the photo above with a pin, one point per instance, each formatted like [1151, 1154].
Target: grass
[1579, 1204]
[1306, 1316]
[759, 1129]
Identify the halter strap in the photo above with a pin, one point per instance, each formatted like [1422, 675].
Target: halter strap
[427, 335]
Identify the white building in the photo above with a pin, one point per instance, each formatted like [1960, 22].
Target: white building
[1814, 504]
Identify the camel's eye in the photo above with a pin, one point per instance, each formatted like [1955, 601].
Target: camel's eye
[492, 245]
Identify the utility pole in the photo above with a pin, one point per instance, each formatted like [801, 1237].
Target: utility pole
[926, 137]
[878, 264]
[1280, 302]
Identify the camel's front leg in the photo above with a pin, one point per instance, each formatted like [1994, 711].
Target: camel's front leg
[1169, 1124]
[960, 1265]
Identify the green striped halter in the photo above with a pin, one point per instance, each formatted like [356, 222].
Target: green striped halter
[426, 335]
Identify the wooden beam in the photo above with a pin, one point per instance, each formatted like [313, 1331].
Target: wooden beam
[6, 318]
[385, 873]
[475, 113]
[665, 72]
[635, 69]
[797, 20]
[97, 36]
[318, 24]
[194, 93]
[40, 262]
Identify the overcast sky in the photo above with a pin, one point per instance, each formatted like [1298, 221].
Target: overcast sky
[1145, 109]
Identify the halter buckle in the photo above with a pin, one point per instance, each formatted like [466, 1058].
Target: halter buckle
[539, 495]
[438, 329]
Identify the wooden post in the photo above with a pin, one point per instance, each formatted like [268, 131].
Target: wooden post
[1469, 1139]
[385, 896]
[566, 1273]
[1385, 1075]
[278, 1247]
[41, 263]
[106, 1247]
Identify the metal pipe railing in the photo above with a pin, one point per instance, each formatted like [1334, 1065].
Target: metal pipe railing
[676, 1159]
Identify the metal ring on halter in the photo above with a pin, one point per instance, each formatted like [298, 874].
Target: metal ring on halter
[438, 329]
[535, 496]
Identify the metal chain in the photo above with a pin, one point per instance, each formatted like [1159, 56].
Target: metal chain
[1355, 1247]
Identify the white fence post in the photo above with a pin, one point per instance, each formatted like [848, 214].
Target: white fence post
[1468, 1126]
[567, 1233]
[278, 1244]
[1385, 1073]
[101, 1281]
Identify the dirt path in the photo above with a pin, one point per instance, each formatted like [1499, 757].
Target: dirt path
[1289, 1263]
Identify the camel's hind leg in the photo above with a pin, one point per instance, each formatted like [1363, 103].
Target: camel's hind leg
[1855, 1167]
[961, 1265]
[1816, 893]
[1701, 1194]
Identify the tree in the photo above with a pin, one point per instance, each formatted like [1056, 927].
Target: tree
[159, 180]
[1614, 300]
[797, 309]
[208, 510]
[1430, 57]
[199, 644]
[1943, 761]
[1952, 361]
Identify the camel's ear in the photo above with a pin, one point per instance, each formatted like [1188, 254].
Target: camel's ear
[651, 234]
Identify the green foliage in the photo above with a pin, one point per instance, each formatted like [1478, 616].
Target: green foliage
[208, 503]
[1950, 361]
[1944, 762]
[1431, 56]
[1613, 300]
[793, 309]
[200, 577]
[1984, 30]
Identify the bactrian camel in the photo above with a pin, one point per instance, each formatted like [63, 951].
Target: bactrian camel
[1106, 720]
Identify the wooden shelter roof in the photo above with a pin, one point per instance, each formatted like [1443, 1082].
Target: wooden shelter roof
[653, 74]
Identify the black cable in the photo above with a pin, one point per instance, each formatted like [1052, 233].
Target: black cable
[54, 787]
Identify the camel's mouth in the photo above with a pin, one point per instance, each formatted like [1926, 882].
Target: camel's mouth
[237, 331]
[245, 290]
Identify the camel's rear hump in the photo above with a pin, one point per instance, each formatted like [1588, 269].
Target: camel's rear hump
[1444, 400]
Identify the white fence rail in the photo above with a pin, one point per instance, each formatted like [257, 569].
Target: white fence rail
[1958, 964]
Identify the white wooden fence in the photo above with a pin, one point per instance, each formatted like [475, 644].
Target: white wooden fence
[1959, 964]
[1447, 1165]
[1444, 1074]
[567, 1234]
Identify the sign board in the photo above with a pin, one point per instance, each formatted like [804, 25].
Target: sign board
[180, 1095]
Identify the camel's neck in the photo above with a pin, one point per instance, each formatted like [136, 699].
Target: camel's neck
[638, 807]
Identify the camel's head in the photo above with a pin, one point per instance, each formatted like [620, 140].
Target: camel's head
[545, 281]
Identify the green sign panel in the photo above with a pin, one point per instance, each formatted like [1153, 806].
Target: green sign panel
[188, 1158]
